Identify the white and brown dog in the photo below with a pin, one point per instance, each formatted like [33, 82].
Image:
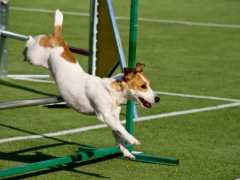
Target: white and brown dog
[86, 93]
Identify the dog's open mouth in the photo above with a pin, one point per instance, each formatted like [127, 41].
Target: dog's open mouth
[144, 102]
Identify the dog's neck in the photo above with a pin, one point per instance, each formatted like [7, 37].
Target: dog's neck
[118, 90]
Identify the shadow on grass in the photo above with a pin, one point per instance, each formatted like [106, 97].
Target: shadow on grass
[18, 86]
[61, 142]
[39, 156]
[43, 136]
[56, 106]
[70, 168]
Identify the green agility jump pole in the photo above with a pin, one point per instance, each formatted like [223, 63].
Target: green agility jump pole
[140, 156]
[88, 154]
[132, 59]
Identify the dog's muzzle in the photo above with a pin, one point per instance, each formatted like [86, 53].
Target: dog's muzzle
[147, 104]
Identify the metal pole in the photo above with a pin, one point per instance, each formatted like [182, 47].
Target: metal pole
[93, 37]
[30, 102]
[132, 60]
[8, 34]
[3, 43]
[121, 55]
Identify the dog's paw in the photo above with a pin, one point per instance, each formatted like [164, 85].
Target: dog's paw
[133, 141]
[128, 138]
[126, 153]
[137, 142]
[129, 156]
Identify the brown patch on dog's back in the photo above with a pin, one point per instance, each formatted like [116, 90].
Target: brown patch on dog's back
[56, 40]
[67, 54]
[45, 41]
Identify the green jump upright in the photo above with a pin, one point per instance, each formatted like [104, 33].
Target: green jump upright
[140, 156]
[132, 61]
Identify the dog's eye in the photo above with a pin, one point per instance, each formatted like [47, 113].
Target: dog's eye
[144, 86]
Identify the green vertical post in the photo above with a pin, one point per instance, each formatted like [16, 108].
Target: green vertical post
[3, 43]
[132, 60]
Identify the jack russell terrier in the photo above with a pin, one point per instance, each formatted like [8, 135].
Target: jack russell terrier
[86, 93]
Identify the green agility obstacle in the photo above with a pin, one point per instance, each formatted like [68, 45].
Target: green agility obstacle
[88, 154]
[140, 156]
[85, 154]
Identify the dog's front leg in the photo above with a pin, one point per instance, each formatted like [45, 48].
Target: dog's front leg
[120, 142]
[115, 124]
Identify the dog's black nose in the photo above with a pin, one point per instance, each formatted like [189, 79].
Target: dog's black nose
[157, 99]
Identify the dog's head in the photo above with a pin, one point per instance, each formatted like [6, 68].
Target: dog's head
[139, 86]
[35, 52]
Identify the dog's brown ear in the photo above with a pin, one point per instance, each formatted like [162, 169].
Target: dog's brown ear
[139, 67]
[128, 70]
[128, 74]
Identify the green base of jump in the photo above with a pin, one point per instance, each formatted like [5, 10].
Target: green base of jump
[147, 158]
[86, 154]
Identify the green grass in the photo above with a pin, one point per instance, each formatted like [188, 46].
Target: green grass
[178, 58]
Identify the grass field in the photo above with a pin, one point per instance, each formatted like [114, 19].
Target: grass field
[189, 59]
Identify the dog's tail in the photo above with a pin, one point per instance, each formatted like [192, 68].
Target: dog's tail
[58, 21]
